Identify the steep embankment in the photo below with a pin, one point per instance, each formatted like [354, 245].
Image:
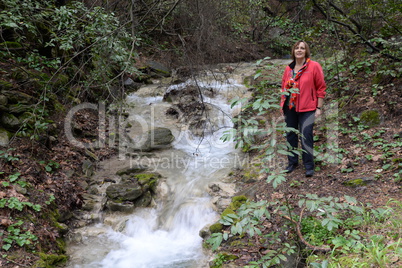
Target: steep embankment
[351, 206]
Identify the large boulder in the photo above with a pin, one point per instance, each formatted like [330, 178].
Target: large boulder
[134, 190]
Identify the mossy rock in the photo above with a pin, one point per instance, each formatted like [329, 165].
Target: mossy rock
[370, 118]
[15, 96]
[147, 178]
[216, 228]
[130, 170]
[50, 260]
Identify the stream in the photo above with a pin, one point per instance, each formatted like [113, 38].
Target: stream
[167, 233]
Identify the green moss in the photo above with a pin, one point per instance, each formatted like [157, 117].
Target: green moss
[226, 212]
[237, 201]
[50, 260]
[148, 179]
[144, 178]
[355, 183]
[216, 228]
[61, 243]
[370, 118]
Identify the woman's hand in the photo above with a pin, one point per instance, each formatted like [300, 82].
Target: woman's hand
[318, 113]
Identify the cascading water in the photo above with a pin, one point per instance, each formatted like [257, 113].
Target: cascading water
[167, 235]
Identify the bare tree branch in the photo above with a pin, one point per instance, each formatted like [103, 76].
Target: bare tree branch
[354, 31]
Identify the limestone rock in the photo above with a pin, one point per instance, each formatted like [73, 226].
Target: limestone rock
[130, 170]
[157, 138]
[121, 192]
[127, 207]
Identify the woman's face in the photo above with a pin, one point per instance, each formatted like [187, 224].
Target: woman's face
[300, 51]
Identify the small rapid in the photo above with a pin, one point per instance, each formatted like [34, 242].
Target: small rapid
[167, 234]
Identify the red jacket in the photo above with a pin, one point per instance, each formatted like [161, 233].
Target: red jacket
[311, 87]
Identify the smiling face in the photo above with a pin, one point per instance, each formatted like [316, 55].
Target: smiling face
[300, 51]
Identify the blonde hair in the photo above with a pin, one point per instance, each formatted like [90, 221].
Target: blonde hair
[307, 49]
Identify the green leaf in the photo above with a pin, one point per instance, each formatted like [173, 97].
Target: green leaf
[6, 247]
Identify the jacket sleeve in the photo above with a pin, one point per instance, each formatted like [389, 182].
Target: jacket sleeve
[319, 81]
[284, 78]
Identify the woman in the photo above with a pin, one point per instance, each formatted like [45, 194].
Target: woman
[304, 91]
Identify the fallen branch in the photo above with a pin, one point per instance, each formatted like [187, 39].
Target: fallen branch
[299, 234]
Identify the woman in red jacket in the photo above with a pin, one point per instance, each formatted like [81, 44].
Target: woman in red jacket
[304, 91]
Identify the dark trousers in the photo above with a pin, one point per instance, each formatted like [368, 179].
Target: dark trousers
[304, 122]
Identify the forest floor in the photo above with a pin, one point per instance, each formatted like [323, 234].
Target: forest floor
[369, 170]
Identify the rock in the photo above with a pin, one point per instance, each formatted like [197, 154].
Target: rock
[144, 200]
[20, 190]
[15, 97]
[205, 233]
[157, 138]
[148, 180]
[65, 215]
[4, 137]
[89, 202]
[131, 86]
[214, 187]
[158, 68]
[130, 170]
[10, 121]
[121, 192]
[87, 168]
[127, 207]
